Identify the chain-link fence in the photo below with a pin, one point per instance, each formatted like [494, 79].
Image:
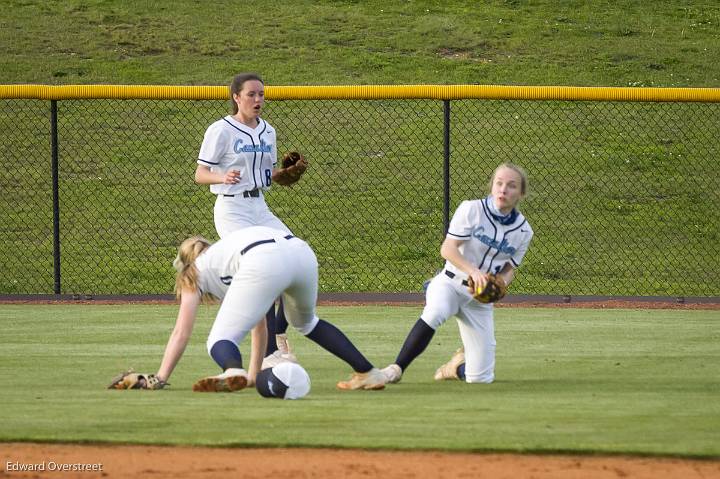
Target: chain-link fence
[624, 195]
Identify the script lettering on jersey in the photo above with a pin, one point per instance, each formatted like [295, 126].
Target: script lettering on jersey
[261, 148]
[479, 234]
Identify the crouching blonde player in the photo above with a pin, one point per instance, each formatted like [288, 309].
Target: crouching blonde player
[485, 236]
[247, 270]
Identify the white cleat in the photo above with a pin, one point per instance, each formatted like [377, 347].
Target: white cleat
[392, 373]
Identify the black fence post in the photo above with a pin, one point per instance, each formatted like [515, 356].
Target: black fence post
[446, 166]
[56, 196]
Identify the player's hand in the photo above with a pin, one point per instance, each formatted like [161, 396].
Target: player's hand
[479, 278]
[231, 177]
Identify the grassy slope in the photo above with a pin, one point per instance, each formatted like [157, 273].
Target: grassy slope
[506, 42]
[613, 381]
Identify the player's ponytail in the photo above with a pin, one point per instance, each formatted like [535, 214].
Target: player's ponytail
[187, 273]
[237, 85]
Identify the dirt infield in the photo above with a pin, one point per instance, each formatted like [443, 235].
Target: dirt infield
[49, 460]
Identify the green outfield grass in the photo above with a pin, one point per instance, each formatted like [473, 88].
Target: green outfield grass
[570, 380]
[619, 43]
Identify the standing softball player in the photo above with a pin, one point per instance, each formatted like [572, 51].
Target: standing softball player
[487, 239]
[238, 159]
[246, 270]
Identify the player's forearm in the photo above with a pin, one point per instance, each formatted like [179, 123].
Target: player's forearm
[189, 301]
[507, 273]
[204, 176]
[450, 252]
[173, 352]
[259, 338]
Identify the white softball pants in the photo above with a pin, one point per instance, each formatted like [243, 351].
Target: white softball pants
[448, 297]
[237, 212]
[288, 267]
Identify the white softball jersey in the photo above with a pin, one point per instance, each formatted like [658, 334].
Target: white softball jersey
[490, 242]
[248, 270]
[231, 145]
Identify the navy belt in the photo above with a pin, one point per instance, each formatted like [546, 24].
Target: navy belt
[451, 275]
[258, 243]
[246, 194]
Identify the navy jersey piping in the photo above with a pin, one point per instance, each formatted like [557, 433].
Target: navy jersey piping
[253, 144]
[459, 236]
[492, 222]
[517, 227]
[511, 231]
[261, 154]
[211, 163]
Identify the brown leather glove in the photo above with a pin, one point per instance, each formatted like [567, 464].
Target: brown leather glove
[294, 165]
[494, 289]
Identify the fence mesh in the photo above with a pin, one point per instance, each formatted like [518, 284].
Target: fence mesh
[624, 195]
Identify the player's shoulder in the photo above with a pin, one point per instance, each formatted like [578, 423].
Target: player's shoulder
[220, 123]
[219, 127]
[471, 205]
[266, 127]
[526, 228]
[524, 225]
[266, 124]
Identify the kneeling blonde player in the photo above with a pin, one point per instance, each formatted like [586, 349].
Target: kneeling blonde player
[486, 236]
[247, 270]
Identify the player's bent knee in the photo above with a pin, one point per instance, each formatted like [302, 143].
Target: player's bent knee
[434, 319]
[306, 328]
[213, 340]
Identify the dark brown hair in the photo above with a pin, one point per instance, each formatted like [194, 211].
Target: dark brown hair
[237, 85]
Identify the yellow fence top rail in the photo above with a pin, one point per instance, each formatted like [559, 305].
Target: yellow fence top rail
[364, 92]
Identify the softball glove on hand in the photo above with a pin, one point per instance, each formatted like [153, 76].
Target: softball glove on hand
[132, 380]
[290, 158]
[294, 165]
[494, 290]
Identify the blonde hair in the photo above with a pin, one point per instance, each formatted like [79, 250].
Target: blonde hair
[187, 273]
[517, 169]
